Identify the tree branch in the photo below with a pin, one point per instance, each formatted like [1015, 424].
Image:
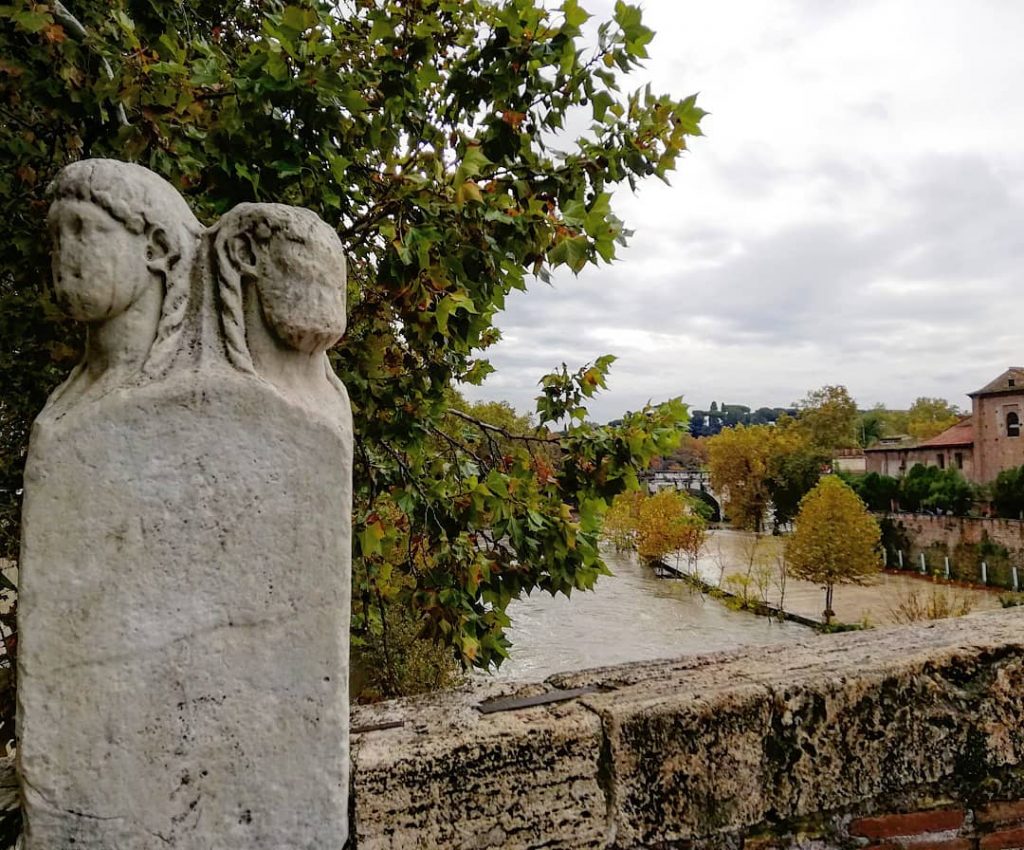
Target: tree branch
[496, 429]
[61, 13]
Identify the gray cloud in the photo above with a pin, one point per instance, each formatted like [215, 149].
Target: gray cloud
[855, 234]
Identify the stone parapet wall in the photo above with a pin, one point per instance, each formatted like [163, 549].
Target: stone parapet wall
[891, 738]
[928, 530]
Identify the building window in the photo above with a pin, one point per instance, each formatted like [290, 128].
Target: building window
[959, 457]
[1012, 382]
[940, 459]
[1012, 424]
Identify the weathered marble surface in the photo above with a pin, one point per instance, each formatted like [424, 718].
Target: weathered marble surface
[184, 576]
[706, 751]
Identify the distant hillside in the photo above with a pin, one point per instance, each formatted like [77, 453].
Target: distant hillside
[707, 423]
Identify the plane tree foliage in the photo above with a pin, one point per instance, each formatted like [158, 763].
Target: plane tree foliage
[739, 467]
[657, 525]
[928, 417]
[829, 417]
[431, 134]
[836, 540]
[758, 467]
[924, 419]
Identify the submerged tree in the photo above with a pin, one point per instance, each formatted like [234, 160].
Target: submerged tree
[758, 467]
[794, 466]
[430, 134]
[835, 541]
[738, 463]
[657, 525]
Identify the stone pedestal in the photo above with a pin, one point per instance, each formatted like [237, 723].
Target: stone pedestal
[185, 623]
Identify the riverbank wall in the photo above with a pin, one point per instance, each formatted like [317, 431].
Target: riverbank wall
[906, 738]
[891, 738]
[929, 530]
[967, 543]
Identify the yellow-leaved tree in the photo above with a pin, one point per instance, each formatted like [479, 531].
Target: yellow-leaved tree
[656, 525]
[619, 526]
[738, 462]
[929, 417]
[835, 541]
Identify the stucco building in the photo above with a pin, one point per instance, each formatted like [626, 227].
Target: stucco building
[980, 445]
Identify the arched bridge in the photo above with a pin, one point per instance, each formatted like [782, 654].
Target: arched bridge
[696, 482]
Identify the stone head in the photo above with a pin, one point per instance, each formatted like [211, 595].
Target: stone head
[293, 262]
[117, 228]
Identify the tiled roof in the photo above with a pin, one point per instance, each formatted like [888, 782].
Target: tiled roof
[961, 434]
[890, 444]
[1012, 380]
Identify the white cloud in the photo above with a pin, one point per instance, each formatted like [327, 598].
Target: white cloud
[854, 215]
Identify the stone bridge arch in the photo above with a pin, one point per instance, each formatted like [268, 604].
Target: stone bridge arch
[695, 482]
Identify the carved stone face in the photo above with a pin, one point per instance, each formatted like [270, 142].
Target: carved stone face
[302, 290]
[99, 266]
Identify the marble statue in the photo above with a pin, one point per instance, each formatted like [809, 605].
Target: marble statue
[185, 565]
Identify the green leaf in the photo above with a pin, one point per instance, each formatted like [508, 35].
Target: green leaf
[572, 252]
[468, 191]
[473, 162]
[597, 215]
[370, 539]
[496, 484]
[32, 21]
[277, 67]
[449, 304]
[574, 212]
[338, 165]
[354, 101]
[169, 69]
[575, 15]
[286, 169]
[382, 28]
[600, 102]
[297, 18]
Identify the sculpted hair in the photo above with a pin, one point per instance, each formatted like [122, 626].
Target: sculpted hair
[261, 223]
[143, 202]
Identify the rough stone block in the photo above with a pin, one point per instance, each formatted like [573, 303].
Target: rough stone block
[709, 746]
[451, 777]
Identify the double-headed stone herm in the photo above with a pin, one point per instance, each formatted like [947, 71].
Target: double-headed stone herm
[184, 599]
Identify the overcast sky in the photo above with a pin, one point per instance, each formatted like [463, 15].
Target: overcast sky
[854, 214]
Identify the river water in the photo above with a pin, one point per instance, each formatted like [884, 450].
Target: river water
[630, 616]
[634, 616]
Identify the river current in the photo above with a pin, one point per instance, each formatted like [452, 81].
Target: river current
[630, 616]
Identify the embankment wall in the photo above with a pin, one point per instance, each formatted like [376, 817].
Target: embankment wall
[967, 543]
[907, 737]
[928, 530]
